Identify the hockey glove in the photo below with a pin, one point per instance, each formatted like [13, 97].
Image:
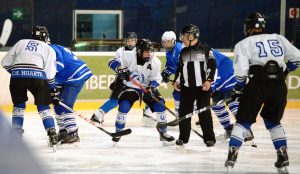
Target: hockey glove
[165, 76]
[123, 73]
[237, 93]
[55, 95]
[152, 93]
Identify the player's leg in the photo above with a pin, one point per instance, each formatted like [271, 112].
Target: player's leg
[250, 104]
[161, 117]
[272, 112]
[126, 100]
[116, 87]
[222, 113]
[41, 92]
[176, 97]
[18, 91]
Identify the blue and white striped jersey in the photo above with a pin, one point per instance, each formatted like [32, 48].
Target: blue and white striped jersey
[172, 58]
[70, 69]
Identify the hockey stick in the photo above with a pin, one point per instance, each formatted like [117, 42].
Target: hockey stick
[146, 91]
[7, 27]
[206, 108]
[116, 134]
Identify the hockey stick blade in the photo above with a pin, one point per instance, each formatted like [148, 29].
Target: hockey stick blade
[97, 125]
[6, 31]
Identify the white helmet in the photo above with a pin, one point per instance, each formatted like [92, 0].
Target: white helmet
[168, 35]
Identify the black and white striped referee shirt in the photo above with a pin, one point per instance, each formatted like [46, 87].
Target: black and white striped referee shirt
[196, 65]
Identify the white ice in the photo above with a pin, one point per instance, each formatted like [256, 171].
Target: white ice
[142, 152]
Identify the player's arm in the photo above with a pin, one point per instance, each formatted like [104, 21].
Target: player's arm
[240, 65]
[50, 67]
[292, 55]
[8, 60]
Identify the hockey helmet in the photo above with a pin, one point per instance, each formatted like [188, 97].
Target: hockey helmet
[143, 45]
[168, 36]
[40, 33]
[255, 23]
[130, 40]
[190, 30]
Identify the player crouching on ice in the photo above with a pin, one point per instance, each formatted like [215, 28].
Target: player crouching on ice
[143, 67]
[31, 63]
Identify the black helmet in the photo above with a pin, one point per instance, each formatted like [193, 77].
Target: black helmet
[144, 45]
[255, 23]
[130, 35]
[40, 33]
[190, 29]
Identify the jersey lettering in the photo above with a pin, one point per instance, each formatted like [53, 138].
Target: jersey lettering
[273, 47]
[31, 46]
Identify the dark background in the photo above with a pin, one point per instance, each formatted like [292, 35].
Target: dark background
[220, 21]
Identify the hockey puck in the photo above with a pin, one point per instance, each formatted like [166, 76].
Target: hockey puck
[254, 145]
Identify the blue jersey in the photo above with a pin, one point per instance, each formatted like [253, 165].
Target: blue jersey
[225, 79]
[172, 58]
[70, 69]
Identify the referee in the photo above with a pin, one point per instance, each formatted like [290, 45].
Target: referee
[196, 71]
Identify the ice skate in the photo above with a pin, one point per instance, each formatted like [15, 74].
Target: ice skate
[20, 131]
[71, 140]
[166, 139]
[228, 131]
[98, 116]
[62, 135]
[282, 160]
[231, 159]
[52, 138]
[148, 120]
[249, 140]
[179, 144]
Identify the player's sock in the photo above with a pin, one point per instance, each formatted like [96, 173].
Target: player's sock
[237, 134]
[222, 114]
[277, 134]
[46, 115]
[233, 107]
[18, 115]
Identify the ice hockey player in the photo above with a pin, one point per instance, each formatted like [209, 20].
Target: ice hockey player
[71, 75]
[143, 67]
[193, 78]
[261, 58]
[116, 86]
[31, 63]
[222, 89]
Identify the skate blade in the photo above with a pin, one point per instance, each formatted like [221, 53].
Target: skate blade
[229, 169]
[181, 148]
[283, 170]
[74, 145]
[115, 144]
[168, 143]
[54, 148]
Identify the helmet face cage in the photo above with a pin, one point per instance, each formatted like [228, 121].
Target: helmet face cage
[254, 23]
[190, 30]
[40, 33]
[130, 40]
[142, 46]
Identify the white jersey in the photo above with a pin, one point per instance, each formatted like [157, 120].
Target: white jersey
[150, 71]
[259, 49]
[120, 51]
[30, 58]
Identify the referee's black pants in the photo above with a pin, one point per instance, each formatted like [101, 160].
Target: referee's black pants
[187, 97]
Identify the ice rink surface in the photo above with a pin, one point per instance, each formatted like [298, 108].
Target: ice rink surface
[142, 152]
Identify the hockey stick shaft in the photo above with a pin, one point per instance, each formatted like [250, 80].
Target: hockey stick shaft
[155, 99]
[206, 108]
[116, 134]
